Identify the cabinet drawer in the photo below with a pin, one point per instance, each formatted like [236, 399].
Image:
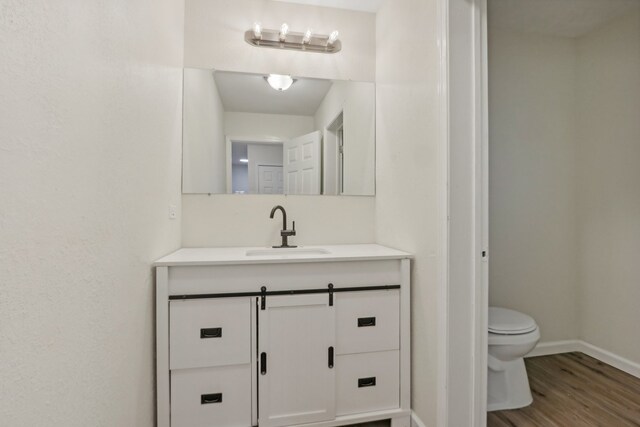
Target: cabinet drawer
[205, 397]
[367, 321]
[213, 332]
[367, 382]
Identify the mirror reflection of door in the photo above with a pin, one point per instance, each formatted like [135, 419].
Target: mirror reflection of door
[302, 165]
[256, 167]
[270, 179]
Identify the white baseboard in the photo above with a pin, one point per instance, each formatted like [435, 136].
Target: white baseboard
[555, 347]
[416, 421]
[558, 347]
[626, 365]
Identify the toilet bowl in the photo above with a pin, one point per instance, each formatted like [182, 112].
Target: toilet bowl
[511, 336]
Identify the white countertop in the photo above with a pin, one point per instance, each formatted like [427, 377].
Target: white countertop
[238, 255]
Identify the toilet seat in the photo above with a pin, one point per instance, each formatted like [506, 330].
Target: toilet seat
[503, 321]
[514, 339]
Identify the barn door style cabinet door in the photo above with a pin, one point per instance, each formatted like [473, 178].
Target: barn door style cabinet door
[296, 346]
[274, 341]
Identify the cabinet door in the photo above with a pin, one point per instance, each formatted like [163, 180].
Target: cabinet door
[296, 375]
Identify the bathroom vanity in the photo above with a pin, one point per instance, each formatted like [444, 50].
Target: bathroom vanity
[282, 337]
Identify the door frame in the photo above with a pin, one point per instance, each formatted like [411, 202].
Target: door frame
[464, 29]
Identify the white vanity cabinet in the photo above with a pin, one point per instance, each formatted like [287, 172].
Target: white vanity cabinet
[320, 339]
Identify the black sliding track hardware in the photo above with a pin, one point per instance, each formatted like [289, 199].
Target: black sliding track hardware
[330, 286]
[263, 297]
[210, 398]
[264, 293]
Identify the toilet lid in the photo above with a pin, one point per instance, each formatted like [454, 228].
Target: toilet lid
[509, 322]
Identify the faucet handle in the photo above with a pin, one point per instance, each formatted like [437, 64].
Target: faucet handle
[291, 232]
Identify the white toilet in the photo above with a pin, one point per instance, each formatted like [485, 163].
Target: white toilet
[511, 335]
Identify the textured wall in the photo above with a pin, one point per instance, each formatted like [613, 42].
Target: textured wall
[609, 199]
[214, 38]
[532, 179]
[90, 119]
[408, 169]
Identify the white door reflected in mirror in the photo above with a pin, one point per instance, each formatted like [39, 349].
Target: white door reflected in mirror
[302, 164]
[242, 137]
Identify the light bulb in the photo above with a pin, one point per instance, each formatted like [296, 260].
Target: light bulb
[333, 37]
[284, 30]
[307, 36]
[257, 30]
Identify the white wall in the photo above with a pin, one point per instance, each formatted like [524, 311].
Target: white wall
[274, 126]
[532, 197]
[241, 220]
[565, 207]
[89, 163]
[214, 38]
[204, 145]
[357, 102]
[408, 169]
[609, 196]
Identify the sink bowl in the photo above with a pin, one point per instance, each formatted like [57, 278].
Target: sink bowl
[287, 251]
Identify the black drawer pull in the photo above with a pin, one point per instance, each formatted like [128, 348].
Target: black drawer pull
[366, 321]
[366, 382]
[210, 398]
[211, 333]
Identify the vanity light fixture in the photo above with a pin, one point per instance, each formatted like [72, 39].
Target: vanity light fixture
[244, 160]
[284, 30]
[280, 82]
[333, 37]
[307, 36]
[285, 39]
[257, 31]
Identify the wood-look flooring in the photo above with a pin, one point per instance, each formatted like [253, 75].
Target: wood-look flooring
[575, 390]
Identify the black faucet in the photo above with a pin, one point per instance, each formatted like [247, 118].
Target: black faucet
[284, 232]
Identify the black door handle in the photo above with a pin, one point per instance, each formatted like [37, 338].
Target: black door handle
[366, 321]
[210, 398]
[366, 382]
[330, 357]
[263, 363]
[211, 333]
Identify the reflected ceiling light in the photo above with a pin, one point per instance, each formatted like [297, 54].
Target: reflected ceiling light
[257, 31]
[333, 37]
[280, 82]
[285, 39]
[307, 36]
[244, 160]
[284, 30]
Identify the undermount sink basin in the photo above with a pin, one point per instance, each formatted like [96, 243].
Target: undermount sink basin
[287, 251]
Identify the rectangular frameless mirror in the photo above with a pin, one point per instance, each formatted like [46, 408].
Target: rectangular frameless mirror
[243, 136]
